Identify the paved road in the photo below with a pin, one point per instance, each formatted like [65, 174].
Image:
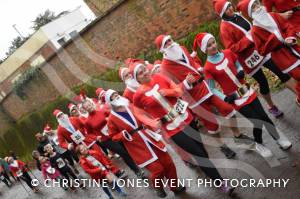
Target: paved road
[245, 166]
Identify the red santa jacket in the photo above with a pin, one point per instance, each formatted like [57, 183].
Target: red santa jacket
[283, 6]
[228, 81]
[268, 42]
[240, 41]
[95, 172]
[139, 144]
[96, 124]
[143, 100]
[18, 167]
[178, 72]
[129, 93]
[64, 136]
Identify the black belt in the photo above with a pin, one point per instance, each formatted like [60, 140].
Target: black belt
[198, 81]
[136, 130]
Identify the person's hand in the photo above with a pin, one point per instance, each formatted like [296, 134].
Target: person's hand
[156, 124]
[163, 92]
[287, 14]
[190, 79]
[290, 41]
[98, 138]
[70, 147]
[240, 75]
[230, 98]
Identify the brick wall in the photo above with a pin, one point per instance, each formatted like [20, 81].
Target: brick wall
[125, 31]
[100, 6]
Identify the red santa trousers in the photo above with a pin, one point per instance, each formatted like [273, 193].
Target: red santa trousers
[161, 168]
[295, 73]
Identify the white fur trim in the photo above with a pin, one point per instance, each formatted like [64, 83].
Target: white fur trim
[204, 42]
[186, 85]
[214, 132]
[163, 42]
[200, 69]
[194, 54]
[203, 98]
[230, 115]
[122, 73]
[108, 94]
[296, 64]
[224, 8]
[136, 70]
[249, 8]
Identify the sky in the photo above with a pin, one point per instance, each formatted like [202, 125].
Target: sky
[23, 12]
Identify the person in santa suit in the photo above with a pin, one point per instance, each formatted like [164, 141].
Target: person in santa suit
[100, 93]
[71, 132]
[131, 84]
[20, 170]
[97, 124]
[52, 138]
[158, 98]
[224, 68]
[288, 9]
[155, 67]
[272, 34]
[74, 112]
[235, 35]
[144, 146]
[178, 65]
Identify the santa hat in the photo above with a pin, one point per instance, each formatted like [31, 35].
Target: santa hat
[108, 94]
[220, 6]
[47, 129]
[134, 68]
[71, 106]
[201, 40]
[160, 41]
[129, 61]
[57, 112]
[245, 7]
[100, 91]
[122, 71]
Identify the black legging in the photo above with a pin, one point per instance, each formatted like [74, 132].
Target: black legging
[68, 173]
[26, 178]
[261, 79]
[70, 156]
[118, 147]
[259, 118]
[188, 143]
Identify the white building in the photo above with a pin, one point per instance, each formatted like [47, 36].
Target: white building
[65, 27]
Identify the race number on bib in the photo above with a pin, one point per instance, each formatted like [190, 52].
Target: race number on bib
[181, 106]
[60, 163]
[77, 137]
[19, 173]
[254, 59]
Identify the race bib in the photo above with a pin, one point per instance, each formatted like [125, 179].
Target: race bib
[19, 173]
[254, 59]
[77, 137]
[60, 163]
[104, 130]
[181, 106]
[50, 170]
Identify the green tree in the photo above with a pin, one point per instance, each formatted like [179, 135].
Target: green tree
[43, 19]
[15, 44]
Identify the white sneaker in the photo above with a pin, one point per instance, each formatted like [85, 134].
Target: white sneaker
[284, 143]
[263, 151]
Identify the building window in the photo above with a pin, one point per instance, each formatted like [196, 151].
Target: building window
[73, 34]
[61, 41]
